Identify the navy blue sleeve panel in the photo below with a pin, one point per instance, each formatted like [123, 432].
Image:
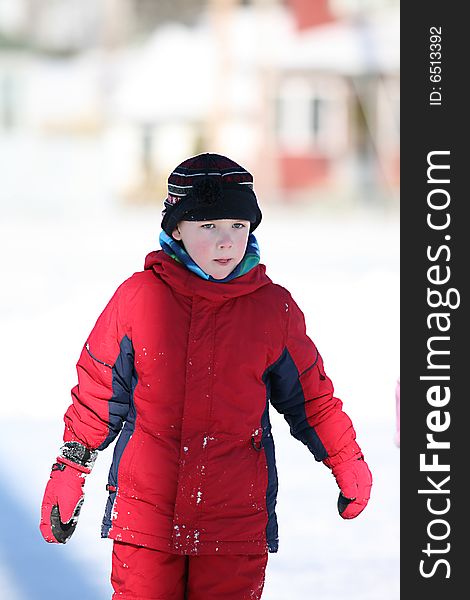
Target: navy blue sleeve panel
[302, 392]
[287, 397]
[124, 382]
[101, 400]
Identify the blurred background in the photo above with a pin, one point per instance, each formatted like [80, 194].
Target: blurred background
[99, 101]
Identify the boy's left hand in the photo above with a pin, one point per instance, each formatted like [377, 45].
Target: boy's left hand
[354, 479]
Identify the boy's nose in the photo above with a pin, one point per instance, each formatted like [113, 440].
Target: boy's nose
[225, 241]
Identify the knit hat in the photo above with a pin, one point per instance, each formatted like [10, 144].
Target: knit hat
[207, 187]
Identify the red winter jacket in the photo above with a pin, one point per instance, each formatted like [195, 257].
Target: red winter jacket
[189, 367]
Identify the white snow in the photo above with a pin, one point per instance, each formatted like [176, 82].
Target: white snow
[60, 268]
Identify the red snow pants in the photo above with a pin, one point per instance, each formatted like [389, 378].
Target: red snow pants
[143, 574]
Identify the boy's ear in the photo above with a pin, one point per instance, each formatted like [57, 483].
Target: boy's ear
[176, 234]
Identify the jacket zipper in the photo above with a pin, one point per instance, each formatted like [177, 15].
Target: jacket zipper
[87, 346]
[311, 366]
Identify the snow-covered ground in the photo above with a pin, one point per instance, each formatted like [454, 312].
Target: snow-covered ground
[60, 267]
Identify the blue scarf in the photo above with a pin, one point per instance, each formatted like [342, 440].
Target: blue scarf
[178, 253]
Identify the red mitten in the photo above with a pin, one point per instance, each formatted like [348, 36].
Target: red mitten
[354, 480]
[64, 494]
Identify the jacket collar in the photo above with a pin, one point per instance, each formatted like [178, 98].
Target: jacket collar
[185, 282]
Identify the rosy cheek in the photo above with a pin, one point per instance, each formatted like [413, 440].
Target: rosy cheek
[201, 247]
[242, 242]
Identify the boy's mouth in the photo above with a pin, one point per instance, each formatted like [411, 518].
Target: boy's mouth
[222, 261]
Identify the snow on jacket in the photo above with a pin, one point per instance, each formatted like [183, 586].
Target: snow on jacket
[184, 370]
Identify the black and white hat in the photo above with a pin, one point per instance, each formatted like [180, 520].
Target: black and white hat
[210, 186]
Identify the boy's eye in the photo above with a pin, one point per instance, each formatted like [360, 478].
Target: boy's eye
[212, 225]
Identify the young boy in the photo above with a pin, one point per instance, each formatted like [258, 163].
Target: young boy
[183, 364]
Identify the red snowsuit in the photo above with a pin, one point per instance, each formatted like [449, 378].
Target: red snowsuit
[190, 367]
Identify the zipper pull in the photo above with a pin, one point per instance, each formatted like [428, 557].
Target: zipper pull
[257, 439]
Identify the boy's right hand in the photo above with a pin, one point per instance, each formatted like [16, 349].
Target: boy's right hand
[61, 504]
[64, 494]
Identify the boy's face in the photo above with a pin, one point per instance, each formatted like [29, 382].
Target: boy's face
[216, 246]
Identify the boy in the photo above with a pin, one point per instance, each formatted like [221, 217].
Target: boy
[182, 364]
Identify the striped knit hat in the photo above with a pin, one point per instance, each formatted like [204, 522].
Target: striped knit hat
[207, 187]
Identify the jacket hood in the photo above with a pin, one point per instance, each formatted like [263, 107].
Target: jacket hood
[187, 283]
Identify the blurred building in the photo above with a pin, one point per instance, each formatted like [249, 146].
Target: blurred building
[68, 26]
[337, 94]
[305, 93]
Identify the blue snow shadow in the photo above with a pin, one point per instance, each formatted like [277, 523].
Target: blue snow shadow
[38, 570]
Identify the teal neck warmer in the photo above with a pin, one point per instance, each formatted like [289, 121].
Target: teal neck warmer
[178, 253]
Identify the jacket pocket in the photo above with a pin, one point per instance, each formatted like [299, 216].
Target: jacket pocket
[236, 476]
